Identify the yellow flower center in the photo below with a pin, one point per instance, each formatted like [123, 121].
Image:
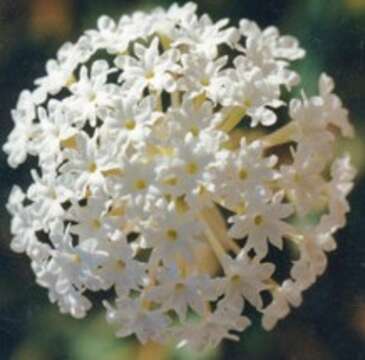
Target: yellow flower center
[92, 167]
[149, 74]
[140, 184]
[130, 124]
[205, 81]
[179, 286]
[172, 181]
[96, 224]
[242, 174]
[171, 234]
[120, 265]
[195, 131]
[76, 258]
[258, 220]
[191, 168]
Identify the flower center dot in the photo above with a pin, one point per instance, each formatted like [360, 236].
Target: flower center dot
[247, 103]
[130, 124]
[120, 264]
[205, 81]
[172, 181]
[149, 74]
[297, 178]
[179, 286]
[96, 224]
[195, 131]
[191, 168]
[171, 234]
[76, 258]
[258, 220]
[140, 184]
[242, 174]
[92, 167]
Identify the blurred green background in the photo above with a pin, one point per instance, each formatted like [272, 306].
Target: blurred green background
[331, 323]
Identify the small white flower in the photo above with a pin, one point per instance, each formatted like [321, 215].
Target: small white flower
[76, 266]
[178, 293]
[252, 92]
[121, 269]
[54, 132]
[284, 47]
[134, 316]
[342, 173]
[193, 119]
[89, 162]
[213, 329]
[110, 36]
[302, 181]
[270, 52]
[284, 296]
[171, 233]
[138, 186]
[48, 197]
[60, 71]
[203, 76]
[203, 36]
[263, 221]
[310, 127]
[89, 219]
[149, 68]
[312, 263]
[90, 94]
[238, 173]
[131, 120]
[245, 279]
[23, 224]
[334, 111]
[187, 172]
[20, 139]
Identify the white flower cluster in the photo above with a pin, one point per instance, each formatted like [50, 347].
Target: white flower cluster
[139, 180]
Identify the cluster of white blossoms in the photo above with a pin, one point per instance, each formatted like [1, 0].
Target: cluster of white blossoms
[139, 181]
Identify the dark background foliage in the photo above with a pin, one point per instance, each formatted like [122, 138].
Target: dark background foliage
[331, 323]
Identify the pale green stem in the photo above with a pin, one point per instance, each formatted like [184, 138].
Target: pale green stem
[213, 241]
[280, 136]
[175, 99]
[159, 102]
[233, 119]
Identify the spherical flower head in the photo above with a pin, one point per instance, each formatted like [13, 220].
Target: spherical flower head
[140, 175]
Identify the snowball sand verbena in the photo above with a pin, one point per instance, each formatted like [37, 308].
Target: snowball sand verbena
[138, 178]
